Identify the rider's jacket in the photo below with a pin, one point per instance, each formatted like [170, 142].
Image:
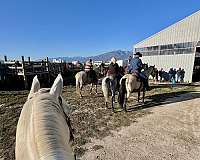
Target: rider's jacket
[88, 66]
[113, 69]
[135, 65]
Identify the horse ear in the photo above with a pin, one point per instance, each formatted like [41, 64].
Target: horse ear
[57, 86]
[35, 86]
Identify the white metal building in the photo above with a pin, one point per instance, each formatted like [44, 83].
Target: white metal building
[176, 46]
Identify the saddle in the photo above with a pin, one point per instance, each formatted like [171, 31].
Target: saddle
[136, 74]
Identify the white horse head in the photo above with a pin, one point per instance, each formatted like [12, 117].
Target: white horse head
[55, 90]
[43, 130]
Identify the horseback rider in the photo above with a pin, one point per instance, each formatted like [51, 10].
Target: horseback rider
[89, 70]
[136, 66]
[114, 70]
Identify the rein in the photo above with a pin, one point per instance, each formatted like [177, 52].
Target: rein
[67, 120]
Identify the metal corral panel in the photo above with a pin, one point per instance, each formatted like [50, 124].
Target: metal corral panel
[185, 61]
[186, 30]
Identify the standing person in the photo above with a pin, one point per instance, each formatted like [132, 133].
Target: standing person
[171, 71]
[174, 74]
[156, 74]
[136, 66]
[182, 75]
[160, 73]
[178, 75]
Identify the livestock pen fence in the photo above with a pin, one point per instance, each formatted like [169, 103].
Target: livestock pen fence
[19, 74]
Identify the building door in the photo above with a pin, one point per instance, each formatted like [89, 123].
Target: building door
[196, 71]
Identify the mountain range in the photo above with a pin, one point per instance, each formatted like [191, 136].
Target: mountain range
[119, 54]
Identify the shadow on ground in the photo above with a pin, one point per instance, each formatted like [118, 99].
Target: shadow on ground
[163, 99]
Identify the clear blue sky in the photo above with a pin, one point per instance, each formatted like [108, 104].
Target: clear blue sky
[40, 28]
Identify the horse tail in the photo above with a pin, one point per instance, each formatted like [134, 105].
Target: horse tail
[105, 87]
[122, 91]
[77, 82]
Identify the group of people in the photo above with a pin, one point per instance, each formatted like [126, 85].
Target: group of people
[173, 75]
[135, 65]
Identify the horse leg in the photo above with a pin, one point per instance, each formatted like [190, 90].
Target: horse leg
[96, 88]
[112, 83]
[80, 89]
[106, 104]
[143, 95]
[127, 95]
[138, 96]
[113, 101]
[125, 100]
[91, 88]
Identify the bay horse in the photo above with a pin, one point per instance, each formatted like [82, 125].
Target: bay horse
[130, 83]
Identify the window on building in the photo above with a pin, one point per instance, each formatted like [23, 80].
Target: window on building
[169, 49]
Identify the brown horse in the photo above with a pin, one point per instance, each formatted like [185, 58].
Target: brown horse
[130, 83]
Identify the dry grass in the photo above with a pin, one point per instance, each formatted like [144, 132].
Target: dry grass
[89, 117]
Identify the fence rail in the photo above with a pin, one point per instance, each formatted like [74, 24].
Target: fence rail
[29, 68]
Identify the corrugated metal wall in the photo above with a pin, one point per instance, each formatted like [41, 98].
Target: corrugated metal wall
[186, 30]
[185, 61]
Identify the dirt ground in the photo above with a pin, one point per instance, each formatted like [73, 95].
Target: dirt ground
[171, 131]
[150, 131]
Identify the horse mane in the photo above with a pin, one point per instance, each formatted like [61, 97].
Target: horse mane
[46, 109]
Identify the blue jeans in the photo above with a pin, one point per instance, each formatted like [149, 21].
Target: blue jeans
[142, 75]
[145, 80]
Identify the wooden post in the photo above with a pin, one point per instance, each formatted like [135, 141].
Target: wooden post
[5, 58]
[29, 60]
[24, 73]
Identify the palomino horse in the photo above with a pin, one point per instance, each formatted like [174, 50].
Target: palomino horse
[43, 130]
[109, 85]
[130, 83]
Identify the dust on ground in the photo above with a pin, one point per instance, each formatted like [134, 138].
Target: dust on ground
[90, 119]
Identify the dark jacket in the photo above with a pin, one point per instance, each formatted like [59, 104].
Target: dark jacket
[113, 69]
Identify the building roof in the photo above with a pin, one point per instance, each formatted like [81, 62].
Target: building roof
[186, 30]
